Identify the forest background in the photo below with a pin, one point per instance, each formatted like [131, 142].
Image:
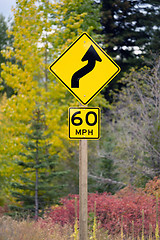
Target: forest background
[128, 150]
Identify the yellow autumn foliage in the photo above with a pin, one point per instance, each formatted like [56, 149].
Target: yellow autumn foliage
[39, 38]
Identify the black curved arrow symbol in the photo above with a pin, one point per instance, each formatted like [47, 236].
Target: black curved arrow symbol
[92, 56]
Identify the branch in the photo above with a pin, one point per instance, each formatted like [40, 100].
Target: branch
[105, 180]
[153, 148]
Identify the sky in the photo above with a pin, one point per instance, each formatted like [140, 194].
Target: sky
[5, 7]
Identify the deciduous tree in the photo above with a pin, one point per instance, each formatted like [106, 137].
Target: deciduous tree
[42, 30]
[137, 123]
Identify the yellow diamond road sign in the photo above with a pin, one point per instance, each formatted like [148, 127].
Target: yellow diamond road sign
[84, 68]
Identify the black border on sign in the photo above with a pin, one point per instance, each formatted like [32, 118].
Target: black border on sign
[118, 69]
[99, 119]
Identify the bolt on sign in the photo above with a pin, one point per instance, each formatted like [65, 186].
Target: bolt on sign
[84, 123]
[84, 68]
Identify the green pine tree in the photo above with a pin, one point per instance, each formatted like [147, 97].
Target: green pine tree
[108, 170]
[130, 31]
[38, 186]
[3, 37]
[5, 41]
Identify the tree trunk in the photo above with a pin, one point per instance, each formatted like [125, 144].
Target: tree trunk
[36, 184]
[36, 196]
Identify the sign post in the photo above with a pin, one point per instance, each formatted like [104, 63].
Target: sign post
[83, 190]
[84, 69]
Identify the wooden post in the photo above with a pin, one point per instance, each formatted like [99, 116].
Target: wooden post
[83, 190]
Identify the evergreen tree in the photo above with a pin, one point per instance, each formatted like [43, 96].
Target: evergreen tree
[108, 170]
[3, 38]
[38, 186]
[5, 41]
[130, 29]
[103, 172]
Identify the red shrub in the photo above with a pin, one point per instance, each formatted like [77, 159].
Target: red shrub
[110, 209]
[153, 187]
